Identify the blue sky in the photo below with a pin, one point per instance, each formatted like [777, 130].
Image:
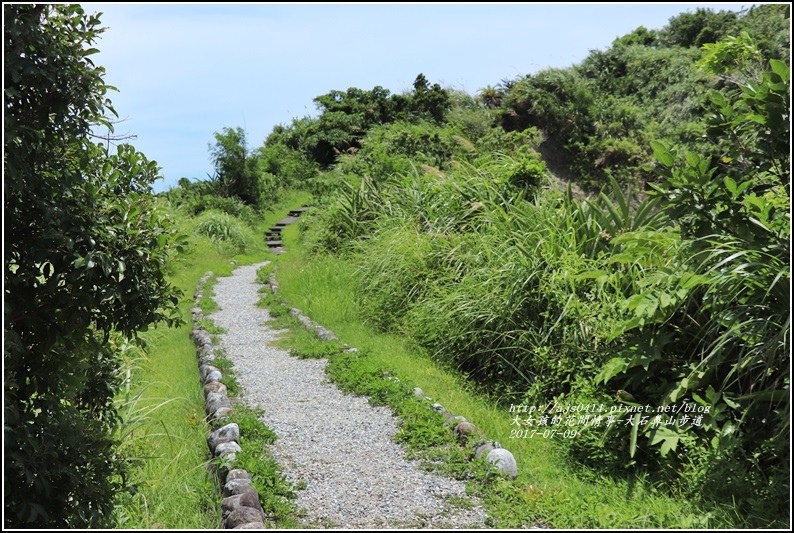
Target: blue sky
[186, 71]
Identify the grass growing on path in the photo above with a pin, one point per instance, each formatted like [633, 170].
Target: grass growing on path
[170, 486]
[548, 489]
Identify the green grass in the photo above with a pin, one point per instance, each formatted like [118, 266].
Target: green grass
[549, 489]
[170, 485]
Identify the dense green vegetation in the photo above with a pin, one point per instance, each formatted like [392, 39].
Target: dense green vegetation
[604, 112]
[85, 255]
[447, 219]
[666, 289]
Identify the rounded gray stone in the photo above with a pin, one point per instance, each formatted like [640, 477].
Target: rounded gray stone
[215, 396]
[227, 433]
[206, 370]
[222, 414]
[243, 515]
[465, 428]
[217, 404]
[205, 349]
[214, 386]
[224, 449]
[484, 448]
[237, 486]
[238, 473]
[215, 375]
[325, 334]
[247, 499]
[504, 461]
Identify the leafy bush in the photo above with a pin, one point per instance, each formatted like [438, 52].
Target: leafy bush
[85, 262]
[712, 326]
[469, 116]
[647, 86]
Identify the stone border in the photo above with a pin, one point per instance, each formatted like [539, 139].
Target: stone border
[240, 506]
[502, 459]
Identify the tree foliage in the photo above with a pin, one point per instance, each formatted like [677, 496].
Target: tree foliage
[698, 28]
[647, 86]
[346, 117]
[84, 260]
[235, 171]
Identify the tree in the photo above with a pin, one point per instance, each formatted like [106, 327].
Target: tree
[85, 253]
[491, 97]
[429, 102]
[698, 28]
[236, 176]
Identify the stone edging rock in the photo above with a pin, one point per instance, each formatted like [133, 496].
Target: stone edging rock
[501, 458]
[240, 506]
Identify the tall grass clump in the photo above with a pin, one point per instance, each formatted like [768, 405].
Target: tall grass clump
[228, 233]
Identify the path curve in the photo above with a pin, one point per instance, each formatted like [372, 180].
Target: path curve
[356, 476]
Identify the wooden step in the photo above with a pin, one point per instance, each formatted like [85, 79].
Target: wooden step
[286, 221]
[299, 211]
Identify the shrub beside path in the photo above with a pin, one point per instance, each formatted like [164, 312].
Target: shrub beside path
[338, 445]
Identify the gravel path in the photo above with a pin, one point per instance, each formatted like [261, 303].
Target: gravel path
[339, 445]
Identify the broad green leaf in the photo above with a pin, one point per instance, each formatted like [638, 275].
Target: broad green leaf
[693, 159]
[612, 368]
[662, 154]
[712, 396]
[730, 184]
[698, 399]
[667, 437]
[780, 68]
[758, 119]
[646, 307]
[717, 98]
[665, 300]
[730, 403]
[625, 326]
[668, 445]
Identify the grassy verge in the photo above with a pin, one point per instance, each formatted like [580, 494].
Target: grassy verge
[169, 484]
[548, 489]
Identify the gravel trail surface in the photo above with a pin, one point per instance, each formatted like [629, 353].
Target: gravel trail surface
[356, 476]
